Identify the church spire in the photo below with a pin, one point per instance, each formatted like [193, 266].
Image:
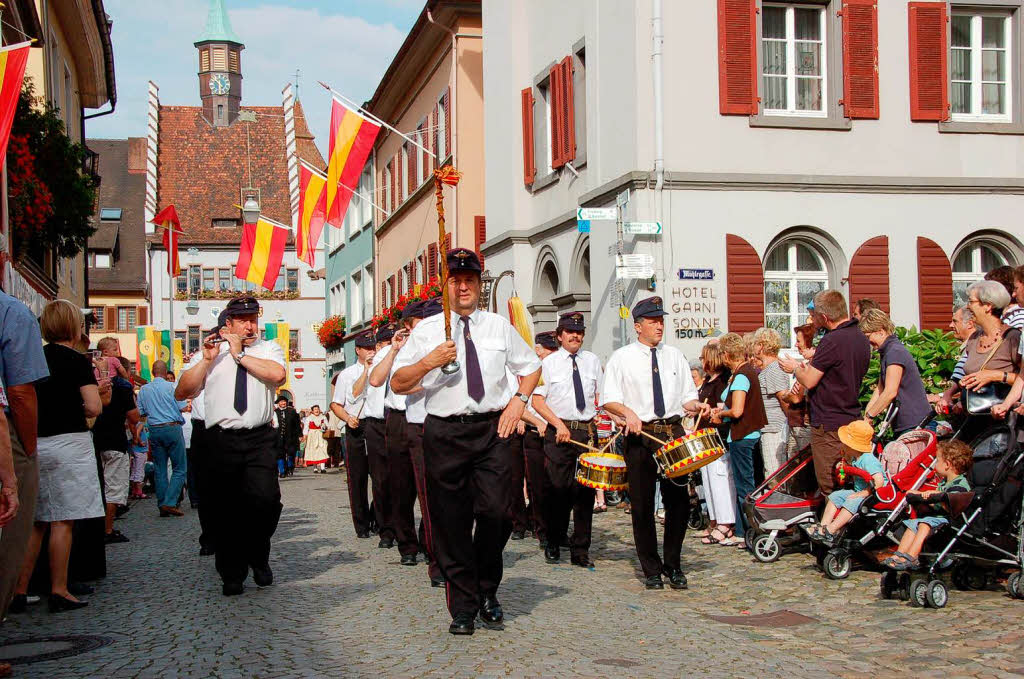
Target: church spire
[218, 25]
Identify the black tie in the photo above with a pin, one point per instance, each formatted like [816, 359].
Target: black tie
[241, 392]
[474, 380]
[577, 385]
[659, 397]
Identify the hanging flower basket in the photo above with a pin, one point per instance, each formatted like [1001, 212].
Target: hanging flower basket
[393, 313]
[331, 332]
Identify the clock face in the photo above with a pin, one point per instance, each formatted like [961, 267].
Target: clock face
[220, 84]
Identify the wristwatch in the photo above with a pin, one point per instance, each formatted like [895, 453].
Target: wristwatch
[238, 359]
[522, 397]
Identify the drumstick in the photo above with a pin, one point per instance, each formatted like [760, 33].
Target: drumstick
[610, 441]
[653, 438]
[584, 446]
[696, 425]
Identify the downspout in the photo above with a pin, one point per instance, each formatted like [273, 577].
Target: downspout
[657, 41]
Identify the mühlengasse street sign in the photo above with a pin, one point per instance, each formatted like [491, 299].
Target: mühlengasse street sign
[588, 213]
[634, 272]
[642, 228]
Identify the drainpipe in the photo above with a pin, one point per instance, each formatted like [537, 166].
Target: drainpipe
[657, 41]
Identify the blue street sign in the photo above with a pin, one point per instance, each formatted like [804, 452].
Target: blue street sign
[583, 225]
[696, 274]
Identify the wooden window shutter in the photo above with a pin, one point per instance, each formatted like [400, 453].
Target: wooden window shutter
[411, 156]
[737, 57]
[745, 292]
[400, 171]
[393, 184]
[529, 162]
[934, 285]
[860, 58]
[433, 139]
[110, 318]
[410, 274]
[421, 264]
[568, 134]
[929, 71]
[383, 294]
[447, 122]
[869, 272]
[431, 260]
[141, 316]
[555, 92]
[393, 288]
[424, 157]
[480, 235]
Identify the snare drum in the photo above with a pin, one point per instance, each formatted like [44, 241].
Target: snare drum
[689, 453]
[602, 471]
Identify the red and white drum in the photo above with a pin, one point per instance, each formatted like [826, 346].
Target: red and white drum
[689, 453]
[602, 471]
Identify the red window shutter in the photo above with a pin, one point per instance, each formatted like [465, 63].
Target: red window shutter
[737, 57]
[410, 275]
[860, 58]
[433, 139]
[869, 272]
[447, 122]
[383, 294]
[555, 92]
[399, 179]
[141, 316]
[929, 70]
[110, 318]
[432, 260]
[529, 162]
[934, 285]
[412, 155]
[480, 234]
[745, 292]
[568, 134]
[423, 156]
[421, 264]
[393, 288]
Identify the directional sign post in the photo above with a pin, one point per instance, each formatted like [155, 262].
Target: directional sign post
[589, 213]
[642, 228]
[634, 260]
[634, 272]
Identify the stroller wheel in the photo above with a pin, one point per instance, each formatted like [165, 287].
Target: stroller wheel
[767, 549]
[903, 586]
[836, 564]
[697, 520]
[1015, 586]
[977, 579]
[936, 594]
[749, 537]
[919, 592]
[889, 584]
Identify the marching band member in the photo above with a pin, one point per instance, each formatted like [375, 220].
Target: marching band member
[538, 485]
[649, 385]
[376, 446]
[347, 404]
[469, 451]
[571, 380]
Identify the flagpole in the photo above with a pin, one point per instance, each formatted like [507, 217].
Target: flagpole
[366, 114]
[344, 186]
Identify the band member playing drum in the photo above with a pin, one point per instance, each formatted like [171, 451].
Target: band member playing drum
[649, 385]
[571, 377]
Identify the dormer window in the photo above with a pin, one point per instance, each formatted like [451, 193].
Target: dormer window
[225, 223]
[100, 260]
[110, 214]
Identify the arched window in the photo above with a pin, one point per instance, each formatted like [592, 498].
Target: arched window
[794, 271]
[547, 288]
[972, 261]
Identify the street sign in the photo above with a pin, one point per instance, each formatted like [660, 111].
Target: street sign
[583, 225]
[622, 198]
[696, 274]
[642, 228]
[634, 260]
[634, 272]
[588, 213]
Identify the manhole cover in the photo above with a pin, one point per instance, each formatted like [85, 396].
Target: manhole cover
[618, 662]
[37, 649]
[772, 619]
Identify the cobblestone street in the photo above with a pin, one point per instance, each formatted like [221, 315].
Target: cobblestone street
[342, 607]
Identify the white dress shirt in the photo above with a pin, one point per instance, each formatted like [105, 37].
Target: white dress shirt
[199, 402]
[560, 393]
[374, 406]
[219, 389]
[343, 390]
[391, 399]
[415, 404]
[498, 346]
[627, 380]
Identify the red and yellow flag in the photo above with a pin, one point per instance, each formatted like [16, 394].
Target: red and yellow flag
[167, 219]
[259, 259]
[312, 212]
[352, 139]
[12, 73]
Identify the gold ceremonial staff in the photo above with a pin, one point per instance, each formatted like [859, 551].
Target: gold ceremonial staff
[450, 176]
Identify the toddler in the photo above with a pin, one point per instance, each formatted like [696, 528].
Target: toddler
[843, 504]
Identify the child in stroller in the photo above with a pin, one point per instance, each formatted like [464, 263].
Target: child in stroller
[953, 460]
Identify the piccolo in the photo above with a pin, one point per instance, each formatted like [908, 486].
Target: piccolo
[218, 340]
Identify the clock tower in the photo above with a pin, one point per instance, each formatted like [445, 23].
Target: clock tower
[220, 67]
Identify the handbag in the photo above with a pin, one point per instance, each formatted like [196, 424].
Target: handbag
[980, 402]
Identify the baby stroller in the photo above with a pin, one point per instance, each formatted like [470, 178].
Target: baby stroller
[786, 499]
[987, 528]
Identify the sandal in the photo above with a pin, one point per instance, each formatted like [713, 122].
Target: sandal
[732, 541]
[600, 508]
[895, 559]
[717, 536]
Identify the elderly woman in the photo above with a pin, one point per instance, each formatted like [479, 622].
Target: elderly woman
[719, 491]
[69, 485]
[776, 394]
[898, 378]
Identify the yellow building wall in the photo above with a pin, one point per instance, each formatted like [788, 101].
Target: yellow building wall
[127, 339]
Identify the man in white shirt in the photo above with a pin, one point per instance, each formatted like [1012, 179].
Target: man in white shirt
[348, 404]
[199, 472]
[239, 374]
[648, 384]
[468, 444]
[373, 424]
[571, 380]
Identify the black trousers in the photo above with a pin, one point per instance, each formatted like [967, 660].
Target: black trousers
[520, 519]
[247, 504]
[403, 482]
[469, 479]
[199, 470]
[643, 474]
[380, 474]
[334, 451]
[414, 434]
[538, 485]
[357, 473]
[566, 494]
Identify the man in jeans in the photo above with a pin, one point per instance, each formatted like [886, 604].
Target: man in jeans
[21, 364]
[166, 441]
[832, 378]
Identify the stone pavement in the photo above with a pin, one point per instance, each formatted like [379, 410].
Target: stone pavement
[342, 607]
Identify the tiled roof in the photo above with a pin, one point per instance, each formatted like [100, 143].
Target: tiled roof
[120, 188]
[201, 168]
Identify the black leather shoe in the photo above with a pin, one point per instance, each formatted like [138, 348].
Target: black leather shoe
[206, 551]
[583, 561]
[59, 604]
[408, 560]
[519, 535]
[18, 604]
[232, 588]
[491, 614]
[263, 576]
[462, 624]
[654, 582]
[676, 578]
[551, 554]
[386, 543]
[363, 534]
[438, 582]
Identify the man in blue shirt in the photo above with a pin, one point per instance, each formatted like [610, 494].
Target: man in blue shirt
[166, 441]
[21, 364]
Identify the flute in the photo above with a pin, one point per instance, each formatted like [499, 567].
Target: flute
[218, 340]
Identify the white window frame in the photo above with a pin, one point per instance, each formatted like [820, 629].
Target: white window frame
[368, 290]
[976, 116]
[355, 305]
[792, 276]
[403, 188]
[791, 76]
[441, 150]
[977, 272]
